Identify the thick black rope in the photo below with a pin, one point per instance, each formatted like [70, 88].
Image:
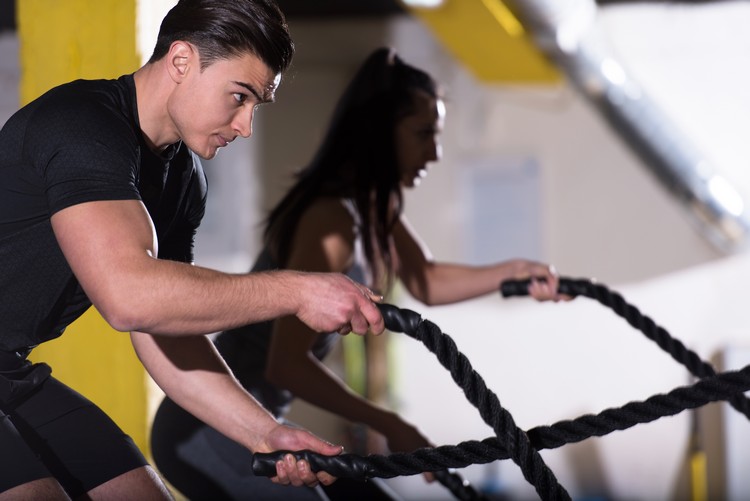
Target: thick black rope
[514, 439]
[511, 442]
[705, 391]
[656, 333]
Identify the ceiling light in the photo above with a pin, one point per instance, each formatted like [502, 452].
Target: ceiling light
[424, 4]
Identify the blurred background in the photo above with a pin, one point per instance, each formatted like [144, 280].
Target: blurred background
[608, 138]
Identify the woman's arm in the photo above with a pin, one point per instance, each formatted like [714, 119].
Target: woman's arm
[435, 283]
[324, 241]
[293, 366]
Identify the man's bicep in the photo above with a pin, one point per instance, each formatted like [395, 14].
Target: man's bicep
[102, 240]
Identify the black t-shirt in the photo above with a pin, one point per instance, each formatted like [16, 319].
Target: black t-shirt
[80, 142]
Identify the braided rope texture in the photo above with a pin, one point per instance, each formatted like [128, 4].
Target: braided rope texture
[509, 441]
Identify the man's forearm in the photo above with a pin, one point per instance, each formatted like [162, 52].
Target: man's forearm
[191, 372]
[180, 299]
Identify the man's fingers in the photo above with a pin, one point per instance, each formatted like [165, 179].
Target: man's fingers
[362, 324]
[342, 305]
[306, 476]
[281, 475]
[368, 317]
[326, 478]
[374, 318]
[359, 324]
[289, 471]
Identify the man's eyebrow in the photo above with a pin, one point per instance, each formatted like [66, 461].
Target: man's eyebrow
[267, 96]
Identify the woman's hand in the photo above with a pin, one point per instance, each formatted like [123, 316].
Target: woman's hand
[544, 280]
[404, 437]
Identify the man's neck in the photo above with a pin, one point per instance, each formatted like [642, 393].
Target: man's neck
[153, 88]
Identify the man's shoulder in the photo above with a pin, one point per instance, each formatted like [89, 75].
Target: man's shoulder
[84, 111]
[87, 99]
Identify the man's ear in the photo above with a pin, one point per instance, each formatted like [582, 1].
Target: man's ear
[180, 58]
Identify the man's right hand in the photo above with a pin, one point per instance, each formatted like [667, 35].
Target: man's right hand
[332, 302]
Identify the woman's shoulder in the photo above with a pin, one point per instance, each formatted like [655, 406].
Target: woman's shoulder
[328, 218]
[332, 212]
[327, 226]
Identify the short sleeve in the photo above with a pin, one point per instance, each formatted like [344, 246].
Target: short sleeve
[84, 151]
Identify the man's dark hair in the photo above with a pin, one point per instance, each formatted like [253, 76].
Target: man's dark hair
[221, 29]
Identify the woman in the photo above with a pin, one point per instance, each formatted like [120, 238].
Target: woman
[343, 214]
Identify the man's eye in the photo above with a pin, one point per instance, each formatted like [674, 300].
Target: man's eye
[239, 97]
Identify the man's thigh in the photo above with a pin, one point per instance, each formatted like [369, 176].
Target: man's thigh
[74, 440]
[17, 457]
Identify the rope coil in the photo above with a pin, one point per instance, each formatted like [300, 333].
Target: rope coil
[510, 442]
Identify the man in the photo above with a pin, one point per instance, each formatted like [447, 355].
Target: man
[101, 195]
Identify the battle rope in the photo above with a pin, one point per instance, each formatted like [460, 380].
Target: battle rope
[510, 441]
[514, 439]
[613, 300]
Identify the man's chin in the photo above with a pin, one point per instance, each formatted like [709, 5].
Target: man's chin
[209, 155]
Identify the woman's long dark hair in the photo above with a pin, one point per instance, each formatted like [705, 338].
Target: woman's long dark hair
[357, 159]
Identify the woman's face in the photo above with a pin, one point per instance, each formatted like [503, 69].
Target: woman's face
[417, 142]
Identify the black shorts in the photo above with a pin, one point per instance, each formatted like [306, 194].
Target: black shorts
[50, 430]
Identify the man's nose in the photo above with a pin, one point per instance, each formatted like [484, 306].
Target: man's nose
[243, 122]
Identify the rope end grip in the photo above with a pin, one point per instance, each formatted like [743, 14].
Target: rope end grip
[399, 319]
[568, 286]
[343, 465]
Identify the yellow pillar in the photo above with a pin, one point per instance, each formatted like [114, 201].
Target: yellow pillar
[59, 42]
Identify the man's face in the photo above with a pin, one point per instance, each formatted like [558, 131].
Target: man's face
[210, 108]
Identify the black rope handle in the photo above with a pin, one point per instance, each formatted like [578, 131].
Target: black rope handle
[613, 300]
